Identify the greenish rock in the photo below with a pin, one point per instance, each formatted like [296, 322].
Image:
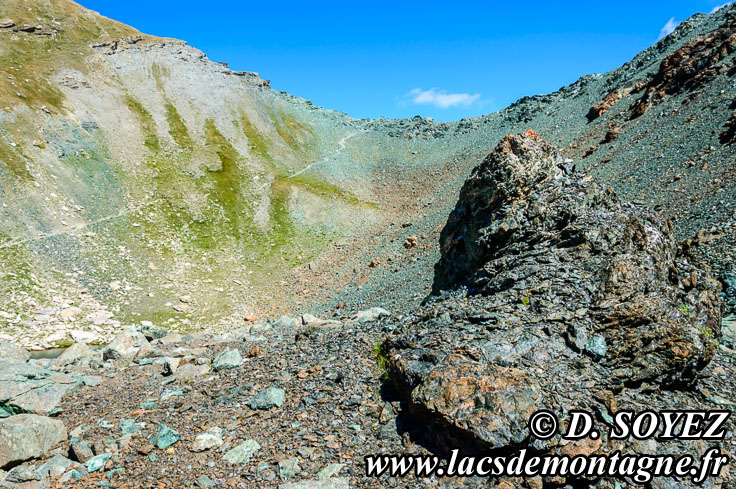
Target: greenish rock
[596, 347]
[57, 465]
[286, 322]
[148, 405]
[169, 394]
[128, 426]
[72, 474]
[165, 437]
[242, 453]
[152, 457]
[96, 463]
[152, 332]
[145, 361]
[112, 473]
[204, 481]
[331, 470]
[289, 467]
[268, 399]
[103, 423]
[227, 360]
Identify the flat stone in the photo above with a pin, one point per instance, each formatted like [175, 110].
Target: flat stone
[57, 465]
[242, 453]
[331, 470]
[30, 389]
[268, 399]
[165, 437]
[212, 438]
[227, 360]
[190, 371]
[371, 314]
[96, 463]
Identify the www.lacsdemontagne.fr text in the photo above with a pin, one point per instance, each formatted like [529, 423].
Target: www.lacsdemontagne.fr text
[640, 468]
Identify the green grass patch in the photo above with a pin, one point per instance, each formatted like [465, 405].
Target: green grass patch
[177, 128]
[147, 123]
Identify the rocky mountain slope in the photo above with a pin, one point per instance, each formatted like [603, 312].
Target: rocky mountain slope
[142, 182]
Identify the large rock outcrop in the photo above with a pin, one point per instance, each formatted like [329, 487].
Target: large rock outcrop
[550, 293]
[28, 436]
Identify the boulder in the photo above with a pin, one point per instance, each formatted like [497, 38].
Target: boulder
[127, 344]
[28, 436]
[78, 353]
[29, 389]
[268, 399]
[551, 293]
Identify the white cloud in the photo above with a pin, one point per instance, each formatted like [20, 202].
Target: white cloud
[442, 99]
[719, 7]
[668, 28]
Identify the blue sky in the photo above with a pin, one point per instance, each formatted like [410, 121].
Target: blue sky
[445, 60]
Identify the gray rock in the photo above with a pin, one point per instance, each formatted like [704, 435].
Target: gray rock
[10, 352]
[190, 371]
[287, 322]
[97, 462]
[30, 389]
[165, 437]
[27, 436]
[242, 453]
[268, 399]
[81, 451]
[227, 360]
[22, 474]
[152, 332]
[329, 471]
[78, 353]
[6, 23]
[289, 468]
[212, 438]
[315, 322]
[371, 314]
[54, 467]
[204, 481]
[127, 344]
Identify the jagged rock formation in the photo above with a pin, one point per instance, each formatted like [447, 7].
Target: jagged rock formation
[573, 300]
[691, 66]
